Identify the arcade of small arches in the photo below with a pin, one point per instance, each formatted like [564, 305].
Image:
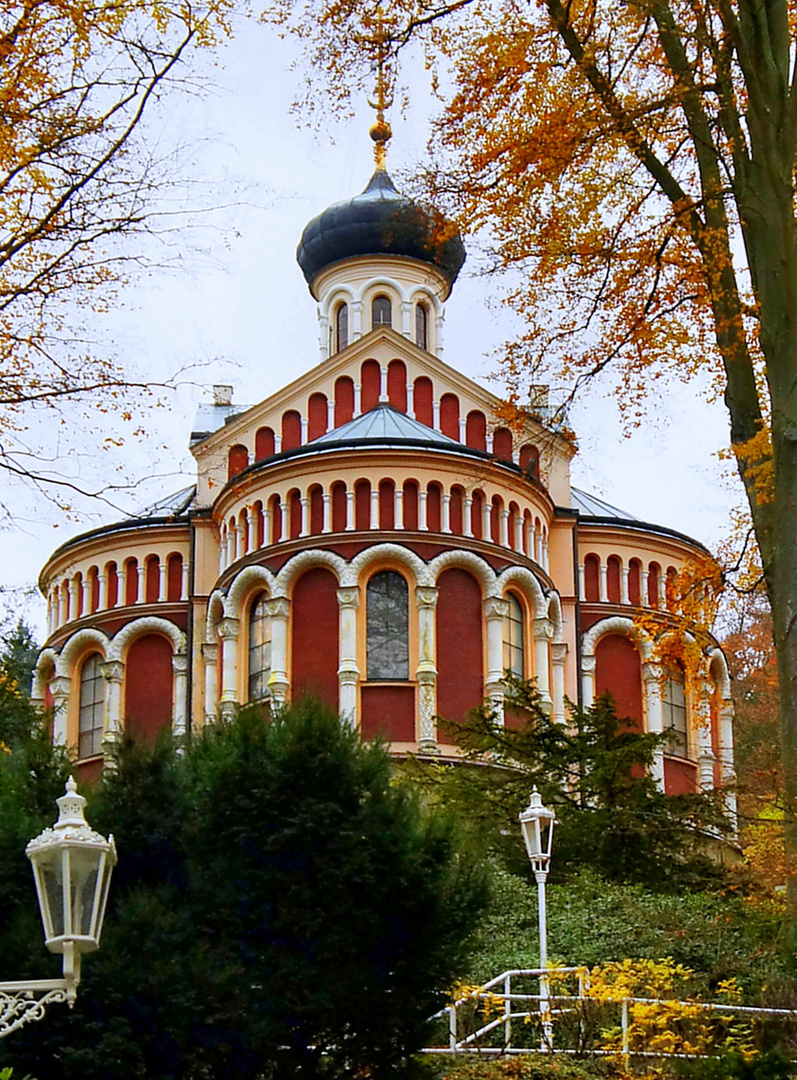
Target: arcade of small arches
[154, 579]
[347, 313]
[383, 384]
[383, 505]
[387, 639]
[611, 581]
[98, 684]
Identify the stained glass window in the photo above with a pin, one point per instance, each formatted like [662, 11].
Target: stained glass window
[259, 648]
[388, 626]
[513, 637]
[92, 707]
[381, 312]
[674, 714]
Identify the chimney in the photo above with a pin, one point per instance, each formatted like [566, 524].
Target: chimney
[222, 395]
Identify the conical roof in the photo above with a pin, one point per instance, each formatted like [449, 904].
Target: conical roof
[380, 221]
[385, 424]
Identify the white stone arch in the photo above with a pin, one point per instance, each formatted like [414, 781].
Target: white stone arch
[214, 615]
[381, 281]
[719, 663]
[339, 293]
[152, 624]
[303, 561]
[616, 624]
[555, 615]
[76, 644]
[37, 690]
[528, 585]
[242, 585]
[424, 294]
[380, 552]
[486, 576]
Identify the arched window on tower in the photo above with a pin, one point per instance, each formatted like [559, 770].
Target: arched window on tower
[341, 327]
[674, 712]
[388, 627]
[381, 312]
[259, 648]
[422, 326]
[513, 637]
[92, 706]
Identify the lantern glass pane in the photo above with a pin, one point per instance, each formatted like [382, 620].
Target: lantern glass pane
[84, 865]
[53, 895]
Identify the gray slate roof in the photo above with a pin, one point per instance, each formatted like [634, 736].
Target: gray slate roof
[591, 506]
[386, 424]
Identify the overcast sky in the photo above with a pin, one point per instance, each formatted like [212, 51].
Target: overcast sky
[236, 309]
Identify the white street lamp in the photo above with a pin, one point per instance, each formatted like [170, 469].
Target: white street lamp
[72, 868]
[536, 823]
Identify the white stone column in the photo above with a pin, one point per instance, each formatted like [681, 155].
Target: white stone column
[185, 582]
[604, 582]
[495, 611]
[142, 583]
[268, 526]
[374, 507]
[519, 534]
[504, 527]
[348, 669]
[467, 524]
[644, 588]
[223, 550]
[121, 586]
[398, 507]
[558, 660]
[63, 605]
[624, 594]
[436, 415]
[163, 581]
[305, 424]
[350, 512]
[463, 436]
[426, 672]
[304, 522]
[285, 522]
[180, 712]
[358, 399]
[543, 632]
[326, 523]
[228, 632]
[422, 522]
[86, 598]
[487, 507]
[113, 673]
[727, 774]
[356, 320]
[439, 328]
[662, 584]
[210, 656]
[279, 609]
[406, 319]
[277, 443]
[383, 396]
[588, 680]
[446, 513]
[651, 680]
[246, 531]
[331, 413]
[73, 598]
[60, 687]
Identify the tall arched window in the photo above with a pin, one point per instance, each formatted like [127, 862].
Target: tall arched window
[422, 326]
[381, 312]
[388, 626]
[341, 327]
[674, 714]
[513, 637]
[92, 707]
[259, 648]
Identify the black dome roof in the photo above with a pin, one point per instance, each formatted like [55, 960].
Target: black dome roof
[380, 221]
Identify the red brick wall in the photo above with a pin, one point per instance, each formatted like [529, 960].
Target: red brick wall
[617, 671]
[397, 384]
[148, 687]
[388, 710]
[460, 682]
[314, 646]
[680, 777]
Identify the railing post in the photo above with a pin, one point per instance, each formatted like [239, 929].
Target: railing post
[452, 1028]
[624, 1025]
[507, 1011]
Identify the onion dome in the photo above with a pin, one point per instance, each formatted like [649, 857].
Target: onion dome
[380, 221]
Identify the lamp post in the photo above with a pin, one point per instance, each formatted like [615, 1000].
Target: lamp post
[536, 823]
[72, 868]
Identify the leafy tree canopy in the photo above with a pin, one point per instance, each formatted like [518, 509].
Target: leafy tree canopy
[280, 908]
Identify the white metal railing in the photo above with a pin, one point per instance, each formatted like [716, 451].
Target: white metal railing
[542, 1014]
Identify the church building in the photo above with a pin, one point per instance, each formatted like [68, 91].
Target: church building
[375, 534]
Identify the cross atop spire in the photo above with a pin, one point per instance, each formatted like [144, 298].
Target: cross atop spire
[383, 98]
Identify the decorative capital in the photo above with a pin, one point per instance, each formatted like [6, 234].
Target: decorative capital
[60, 685]
[495, 608]
[588, 665]
[229, 628]
[559, 652]
[426, 596]
[210, 652]
[349, 597]
[179, 663]
[279, 607]
[113, 670]
[651, 672]
[543, 628]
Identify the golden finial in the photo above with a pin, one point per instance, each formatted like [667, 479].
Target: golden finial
[381, 131]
